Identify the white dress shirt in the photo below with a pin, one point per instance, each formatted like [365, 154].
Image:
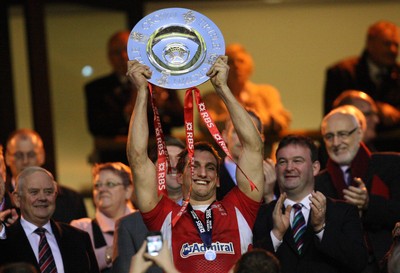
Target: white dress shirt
[34, 239]
[305, 209]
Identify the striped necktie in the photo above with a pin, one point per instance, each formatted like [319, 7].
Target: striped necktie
[46, 259]
[298, 227]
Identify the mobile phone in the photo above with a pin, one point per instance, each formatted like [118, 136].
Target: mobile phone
[154, 242]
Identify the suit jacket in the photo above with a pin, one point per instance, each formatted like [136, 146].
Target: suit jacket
[75, 247]
[353, 73]
[8, 203]
[106, 98]
[130, 233]
[69, 205]
[382, 213]
[341, 249]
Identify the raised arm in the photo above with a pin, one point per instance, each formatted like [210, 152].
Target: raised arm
[251, 158]
[143, 169]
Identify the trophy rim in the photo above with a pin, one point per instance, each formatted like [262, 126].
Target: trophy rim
[179, 45]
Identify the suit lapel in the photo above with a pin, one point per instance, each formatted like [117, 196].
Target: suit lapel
[288, 237]
[308, 235]
[58, 233]
[17, 234]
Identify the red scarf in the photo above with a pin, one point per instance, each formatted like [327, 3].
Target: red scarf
[359, 168]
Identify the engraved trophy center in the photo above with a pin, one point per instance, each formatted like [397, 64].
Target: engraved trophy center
[176, 54]
[176, 49]
[179, 45]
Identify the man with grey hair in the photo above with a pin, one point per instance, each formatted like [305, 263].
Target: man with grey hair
[37, 239]
[25, 148]
[364, 179]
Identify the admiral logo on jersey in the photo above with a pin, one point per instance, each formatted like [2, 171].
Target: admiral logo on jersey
[199, 249]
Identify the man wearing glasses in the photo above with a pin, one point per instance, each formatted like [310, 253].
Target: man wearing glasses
[368, 181]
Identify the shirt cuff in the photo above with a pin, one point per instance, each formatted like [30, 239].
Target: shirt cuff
[275, 241]
[3, 234]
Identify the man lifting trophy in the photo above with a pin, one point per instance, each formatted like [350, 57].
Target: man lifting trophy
[178, 48]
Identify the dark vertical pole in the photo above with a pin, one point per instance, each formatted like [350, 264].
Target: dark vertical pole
[7, 102]
[39, 77]
[135, 12]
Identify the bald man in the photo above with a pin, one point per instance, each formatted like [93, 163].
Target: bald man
[364, 179]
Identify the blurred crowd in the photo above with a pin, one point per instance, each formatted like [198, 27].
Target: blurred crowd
[265, 200]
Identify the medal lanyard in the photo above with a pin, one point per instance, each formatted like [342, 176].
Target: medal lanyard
[162, 152]
[204, 232]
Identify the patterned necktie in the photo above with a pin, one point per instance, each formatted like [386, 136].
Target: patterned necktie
[349, 180]
[298, 227]
[46, 259]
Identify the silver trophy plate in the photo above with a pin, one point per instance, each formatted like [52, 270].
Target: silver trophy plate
[179, 45]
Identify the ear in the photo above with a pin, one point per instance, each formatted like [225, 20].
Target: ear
[262, 137]
[179, 178]
[128, 192]
[41, 156]
[361, 133]
[316, 167]
[7, 158]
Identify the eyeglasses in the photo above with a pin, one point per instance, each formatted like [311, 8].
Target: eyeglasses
[22, 156]
[342, 135]
[107, 184]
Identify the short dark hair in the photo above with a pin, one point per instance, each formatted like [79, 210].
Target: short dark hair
[301, 141]
[118, 168]
[257, 260]
[169, 141]
[198, 146]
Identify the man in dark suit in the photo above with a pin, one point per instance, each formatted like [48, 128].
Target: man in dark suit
[70, 249]
[307, 231]
[110, 100]
[364, 179]
[25, 148]
[130, 233]
[375, 72]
